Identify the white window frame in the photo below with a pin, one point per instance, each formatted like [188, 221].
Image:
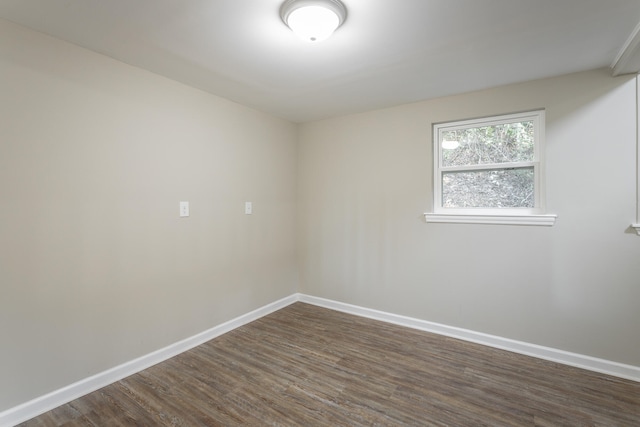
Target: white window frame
[518, 216]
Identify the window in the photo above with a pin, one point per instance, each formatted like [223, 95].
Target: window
[490, 170]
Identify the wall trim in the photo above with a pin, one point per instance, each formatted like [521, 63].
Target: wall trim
[603, 366]
[627, 60]
[40, 405]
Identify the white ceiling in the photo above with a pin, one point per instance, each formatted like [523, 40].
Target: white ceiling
[388, 52]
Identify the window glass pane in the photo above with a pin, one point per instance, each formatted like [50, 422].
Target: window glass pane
[501, 188]
[503, 143]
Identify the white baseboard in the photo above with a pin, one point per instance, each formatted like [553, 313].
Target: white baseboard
[603, 366]
[40, 405]
[66, 394]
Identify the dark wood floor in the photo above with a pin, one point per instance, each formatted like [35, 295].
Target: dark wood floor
[309, 366]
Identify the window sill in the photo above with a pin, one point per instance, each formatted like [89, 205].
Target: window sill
[541, 220]
[636, 227]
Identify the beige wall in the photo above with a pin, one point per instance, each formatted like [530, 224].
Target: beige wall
[96, 267]
[365, 180]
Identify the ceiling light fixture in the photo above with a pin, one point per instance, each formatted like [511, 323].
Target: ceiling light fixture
[313, 20]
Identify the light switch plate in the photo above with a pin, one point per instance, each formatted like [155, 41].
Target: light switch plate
[248, 208]
[184, 209]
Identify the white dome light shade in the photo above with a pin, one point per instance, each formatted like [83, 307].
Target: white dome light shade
[313, 23]
[313, 20]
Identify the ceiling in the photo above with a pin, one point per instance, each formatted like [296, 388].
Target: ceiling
[386, 53]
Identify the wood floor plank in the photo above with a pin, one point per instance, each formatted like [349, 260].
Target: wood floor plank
[309, 366]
